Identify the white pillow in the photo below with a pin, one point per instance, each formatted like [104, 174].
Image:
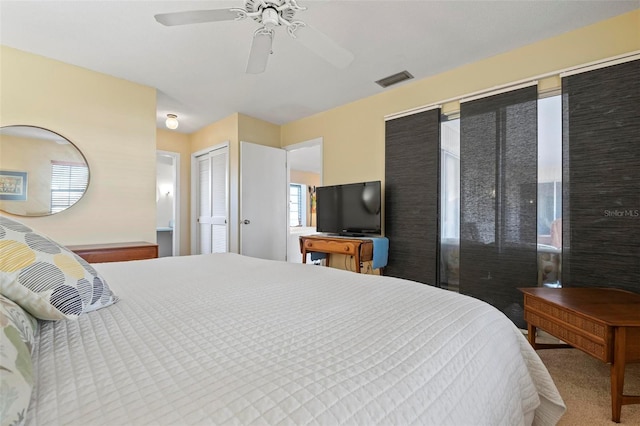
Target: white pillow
[45, 278]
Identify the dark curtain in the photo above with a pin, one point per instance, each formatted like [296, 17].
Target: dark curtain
[601, 183]
[412, 182]
[498, 198]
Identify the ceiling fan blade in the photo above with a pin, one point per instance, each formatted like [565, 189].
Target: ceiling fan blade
[195, 17]
[324, 47]
[260, 51]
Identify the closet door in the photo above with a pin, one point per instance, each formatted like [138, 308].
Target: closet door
[212, 178]
[219, 197]
[204, 235]
[412, 181]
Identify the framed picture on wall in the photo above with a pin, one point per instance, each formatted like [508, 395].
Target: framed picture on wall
[13, 185]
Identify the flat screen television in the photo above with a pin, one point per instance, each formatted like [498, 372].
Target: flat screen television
[349, 209]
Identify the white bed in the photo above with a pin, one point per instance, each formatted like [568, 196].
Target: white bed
[227, 339]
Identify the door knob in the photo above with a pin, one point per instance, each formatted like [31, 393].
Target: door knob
[246, 221]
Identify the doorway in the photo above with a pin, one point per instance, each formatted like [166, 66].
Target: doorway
[304, 168]
[167, 202]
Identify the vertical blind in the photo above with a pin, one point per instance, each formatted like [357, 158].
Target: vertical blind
[498, 198]
[601, 183]
[412, 181]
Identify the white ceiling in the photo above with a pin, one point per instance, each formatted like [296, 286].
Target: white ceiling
[198, 70]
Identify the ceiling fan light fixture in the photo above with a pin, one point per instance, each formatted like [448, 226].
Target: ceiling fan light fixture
[270, 17]
[172, 121]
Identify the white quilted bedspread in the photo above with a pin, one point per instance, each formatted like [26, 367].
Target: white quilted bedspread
[226, 339]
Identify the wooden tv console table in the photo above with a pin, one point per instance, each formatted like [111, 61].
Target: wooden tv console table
[360, 248]
[603, 322]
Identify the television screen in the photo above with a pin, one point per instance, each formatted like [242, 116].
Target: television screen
[349, 209]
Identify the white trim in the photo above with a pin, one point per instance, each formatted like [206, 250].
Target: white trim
[613, 60]
[224, 144]
[628, 57]
[175, 241]
[412, 111]
[305, 144]
[498, 90]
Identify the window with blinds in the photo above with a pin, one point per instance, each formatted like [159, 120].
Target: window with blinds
[295, 204]
[68, 184]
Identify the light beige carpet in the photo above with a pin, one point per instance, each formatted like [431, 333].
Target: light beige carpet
[584, 383]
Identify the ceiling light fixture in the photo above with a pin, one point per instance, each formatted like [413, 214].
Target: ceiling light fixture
[172, 121]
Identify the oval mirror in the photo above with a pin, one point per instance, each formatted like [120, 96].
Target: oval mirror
[41, 172]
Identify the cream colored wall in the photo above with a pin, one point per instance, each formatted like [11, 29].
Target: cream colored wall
[353, 134]
[258, 131]
[112, 121]
[309, 179]
[178, 142]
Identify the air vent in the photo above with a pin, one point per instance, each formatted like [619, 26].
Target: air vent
[394, 79]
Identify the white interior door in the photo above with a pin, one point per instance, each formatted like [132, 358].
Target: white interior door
[211, 216]
[263, 201]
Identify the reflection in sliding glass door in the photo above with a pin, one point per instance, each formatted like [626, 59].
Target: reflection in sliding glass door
[549, 191]
[449, 203]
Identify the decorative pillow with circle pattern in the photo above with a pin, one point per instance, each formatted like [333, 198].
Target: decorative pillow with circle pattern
[48, 280]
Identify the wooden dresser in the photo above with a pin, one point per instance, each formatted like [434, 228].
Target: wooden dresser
[115, 252]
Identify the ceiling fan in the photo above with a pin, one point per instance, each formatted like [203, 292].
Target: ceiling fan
[269, 14]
